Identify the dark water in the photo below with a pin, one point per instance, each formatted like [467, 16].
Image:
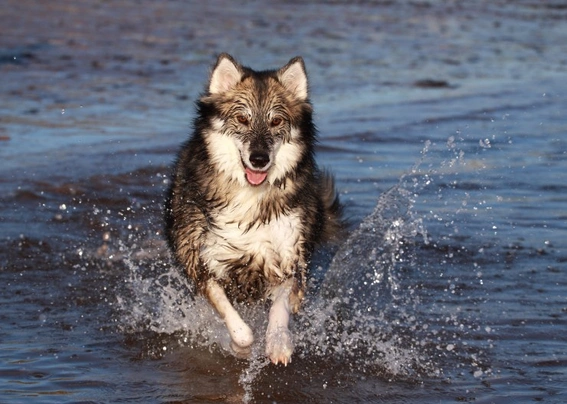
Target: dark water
[444, 123]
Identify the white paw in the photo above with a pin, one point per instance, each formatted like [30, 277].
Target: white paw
[279, 346]
[240, 352]
[241, 336]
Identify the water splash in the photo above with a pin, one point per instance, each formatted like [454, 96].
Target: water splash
[364, 315]
[255, 366]
[367, 260]
[359, 310]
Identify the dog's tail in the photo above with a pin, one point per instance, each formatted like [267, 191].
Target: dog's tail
[334, 225]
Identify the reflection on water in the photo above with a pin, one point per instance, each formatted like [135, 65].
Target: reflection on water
[444, 124]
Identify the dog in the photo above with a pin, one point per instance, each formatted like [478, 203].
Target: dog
[247, 203]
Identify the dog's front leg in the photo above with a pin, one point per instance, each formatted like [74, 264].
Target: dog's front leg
[279, 345]
[240, 334]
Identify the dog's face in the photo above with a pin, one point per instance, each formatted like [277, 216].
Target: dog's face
[255, 136]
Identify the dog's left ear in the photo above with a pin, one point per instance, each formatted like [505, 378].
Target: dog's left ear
[294, 78]
[226, 74]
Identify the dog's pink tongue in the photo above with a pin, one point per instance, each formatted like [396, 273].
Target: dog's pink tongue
[255, 177]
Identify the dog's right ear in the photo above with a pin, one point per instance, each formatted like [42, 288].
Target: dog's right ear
[226, 74]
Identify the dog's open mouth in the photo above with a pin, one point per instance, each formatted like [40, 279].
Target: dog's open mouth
[255, 177]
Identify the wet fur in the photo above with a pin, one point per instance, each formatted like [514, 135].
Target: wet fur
[251, 241]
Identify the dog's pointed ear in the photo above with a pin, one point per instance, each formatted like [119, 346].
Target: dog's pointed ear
[294, 78]
[226, 74]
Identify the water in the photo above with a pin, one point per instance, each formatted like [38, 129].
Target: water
[444, 124]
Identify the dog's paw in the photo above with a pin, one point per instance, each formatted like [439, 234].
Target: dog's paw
[240, 352]
[242, 339]
[242, 336]
[279, 346]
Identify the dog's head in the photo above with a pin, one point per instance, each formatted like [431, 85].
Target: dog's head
[256, 124]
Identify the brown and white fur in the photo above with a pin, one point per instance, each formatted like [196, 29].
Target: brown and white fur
[247, 203]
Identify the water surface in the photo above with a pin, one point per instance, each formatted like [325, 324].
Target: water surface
[444, 124]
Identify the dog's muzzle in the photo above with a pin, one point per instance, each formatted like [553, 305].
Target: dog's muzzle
[257, 174]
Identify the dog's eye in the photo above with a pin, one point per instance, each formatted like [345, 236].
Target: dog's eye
[276, 121]
[242, 119]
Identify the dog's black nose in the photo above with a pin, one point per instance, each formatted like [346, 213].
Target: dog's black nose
[259, 159]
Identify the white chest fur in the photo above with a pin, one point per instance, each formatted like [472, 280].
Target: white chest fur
[273, 246]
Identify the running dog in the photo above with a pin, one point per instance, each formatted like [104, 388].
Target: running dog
[247, 203]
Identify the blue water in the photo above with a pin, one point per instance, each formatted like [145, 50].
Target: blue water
[444, 124]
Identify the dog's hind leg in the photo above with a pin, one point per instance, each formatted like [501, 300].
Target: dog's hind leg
[279, 345]
[240, 334]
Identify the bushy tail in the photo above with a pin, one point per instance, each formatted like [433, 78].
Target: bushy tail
[334, 225]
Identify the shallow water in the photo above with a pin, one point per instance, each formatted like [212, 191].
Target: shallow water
[444, 124]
